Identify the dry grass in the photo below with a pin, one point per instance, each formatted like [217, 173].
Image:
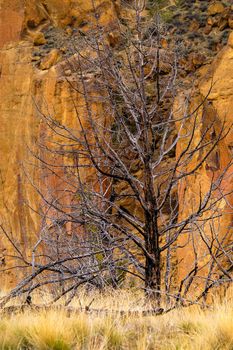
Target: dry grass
[190, 328]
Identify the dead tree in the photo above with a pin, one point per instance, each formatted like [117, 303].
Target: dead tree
[118, 199]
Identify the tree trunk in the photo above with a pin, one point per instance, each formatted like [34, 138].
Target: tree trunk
[152, 266]
[152, 263]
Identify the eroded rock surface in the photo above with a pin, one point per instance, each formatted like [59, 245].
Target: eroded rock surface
[37, 40]
[214, 93]
[30, 84]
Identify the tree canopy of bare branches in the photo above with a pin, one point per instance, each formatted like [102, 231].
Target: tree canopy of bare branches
[121, 167]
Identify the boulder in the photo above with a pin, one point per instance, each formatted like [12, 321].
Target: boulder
[36, 58]
[196, 59]
[62, 13]
[194, 25]
[207, 29]
[215, 8]
[38, 38]
[50, 60]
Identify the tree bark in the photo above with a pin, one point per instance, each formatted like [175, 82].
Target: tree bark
[152, 266]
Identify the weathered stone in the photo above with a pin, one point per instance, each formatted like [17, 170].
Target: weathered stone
[20, 80]
[207, 29]
[215, 8]
[195, 60]
[216, 86]
[164, 43]
[50, 60]
[194, 25]
[213, 21]
[38, 38]
[210, 21]
[198, 59]
[16, 125]
[68, 72]
[69, 31]
[35, 58]
[11, 20]
[68, 12]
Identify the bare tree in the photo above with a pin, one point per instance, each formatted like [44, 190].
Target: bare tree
[120, 167]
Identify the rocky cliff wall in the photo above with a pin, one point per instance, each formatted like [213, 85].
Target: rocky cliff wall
[214, 95]
[36, 39]
[30, 34]
[11, 21]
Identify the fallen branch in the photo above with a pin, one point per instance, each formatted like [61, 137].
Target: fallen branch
[17, 309]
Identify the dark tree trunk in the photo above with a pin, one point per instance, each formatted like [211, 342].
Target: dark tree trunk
[152, 265]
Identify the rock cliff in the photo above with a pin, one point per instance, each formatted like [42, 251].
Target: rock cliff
[32, 34]
[37, 37]
[215, 95]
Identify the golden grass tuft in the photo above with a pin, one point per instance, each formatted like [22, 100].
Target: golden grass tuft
[184, 329]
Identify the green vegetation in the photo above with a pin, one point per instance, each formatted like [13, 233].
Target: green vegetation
[164, 7]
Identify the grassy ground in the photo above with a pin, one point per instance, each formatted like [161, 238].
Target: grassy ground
[190, 328]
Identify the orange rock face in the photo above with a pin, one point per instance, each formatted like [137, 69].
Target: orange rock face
[25, 89]
[216, 87]
[69, 12]
[11, 20]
